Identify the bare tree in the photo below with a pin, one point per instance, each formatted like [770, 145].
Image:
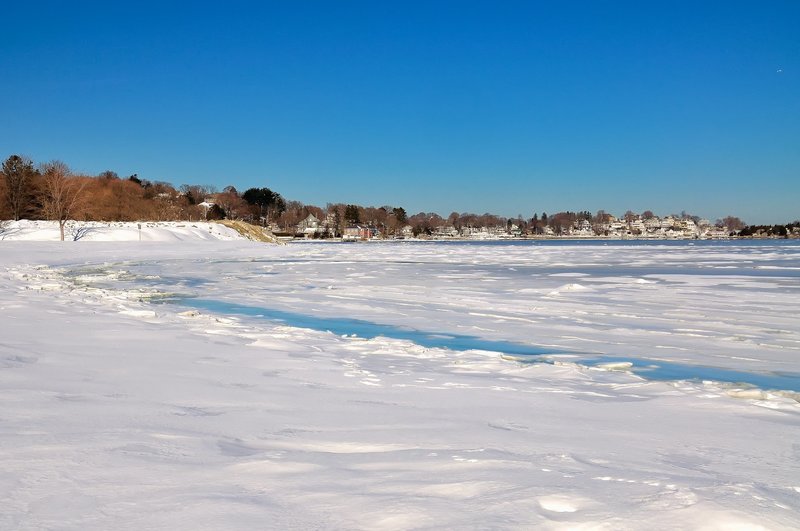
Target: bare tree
[231, 203]
[61, 193]
[197, 193]
[167, 204]
[294, 213]
[731, 223]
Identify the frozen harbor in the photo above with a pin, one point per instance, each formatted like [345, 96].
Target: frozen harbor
[227, 384]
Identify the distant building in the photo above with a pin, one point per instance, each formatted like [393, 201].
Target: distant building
[359, 232]
[309, 226]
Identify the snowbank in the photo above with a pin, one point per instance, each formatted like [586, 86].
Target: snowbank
[150, 231]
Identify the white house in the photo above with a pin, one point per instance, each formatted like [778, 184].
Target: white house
[309, 226]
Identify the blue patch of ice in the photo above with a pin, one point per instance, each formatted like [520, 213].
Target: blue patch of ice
[668, 371]
[366, 329]
[649, 369]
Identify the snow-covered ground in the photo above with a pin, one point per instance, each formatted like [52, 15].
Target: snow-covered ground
[150, 386]
[25, 230]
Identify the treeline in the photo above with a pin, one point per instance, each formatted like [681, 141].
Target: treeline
[770, 231]
[52, 191]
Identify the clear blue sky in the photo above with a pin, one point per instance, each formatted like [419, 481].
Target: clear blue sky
[503, 107]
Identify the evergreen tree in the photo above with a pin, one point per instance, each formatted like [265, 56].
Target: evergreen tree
[18, 175]
[351, 214]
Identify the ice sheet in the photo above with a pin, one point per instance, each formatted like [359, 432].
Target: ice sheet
[116, 412]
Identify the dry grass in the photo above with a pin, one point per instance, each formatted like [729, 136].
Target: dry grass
[251, 232]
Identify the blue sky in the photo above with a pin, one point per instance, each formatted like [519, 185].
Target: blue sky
[503, 107]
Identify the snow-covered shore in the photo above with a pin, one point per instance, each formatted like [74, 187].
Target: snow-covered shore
[116, 412]
[25, 230]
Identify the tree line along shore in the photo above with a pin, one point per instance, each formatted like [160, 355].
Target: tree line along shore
[51, 191]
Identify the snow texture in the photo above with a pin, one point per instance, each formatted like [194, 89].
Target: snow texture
[25, 230]
[122, 406]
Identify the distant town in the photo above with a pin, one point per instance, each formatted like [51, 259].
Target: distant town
[560, 225]
[51, 191]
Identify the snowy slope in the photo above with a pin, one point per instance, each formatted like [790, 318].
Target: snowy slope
[164, 231]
